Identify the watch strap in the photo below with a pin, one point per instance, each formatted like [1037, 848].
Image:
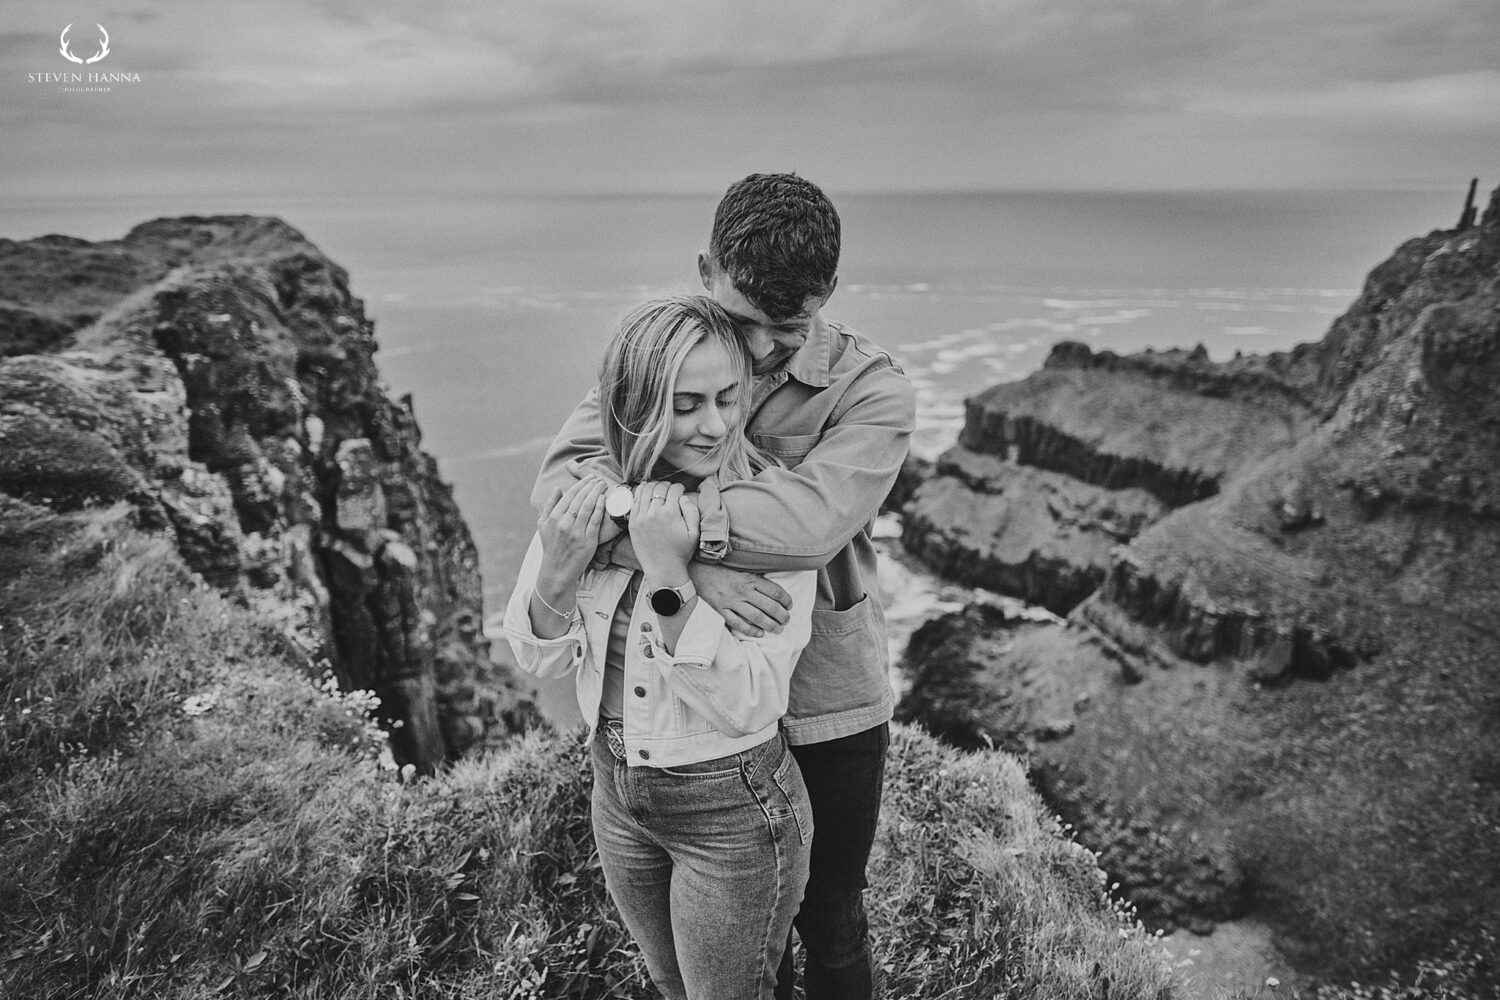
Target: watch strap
[617, 503]
[668, 601]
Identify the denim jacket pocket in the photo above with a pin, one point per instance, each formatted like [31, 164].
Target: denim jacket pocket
[844, 665]
[791, 449]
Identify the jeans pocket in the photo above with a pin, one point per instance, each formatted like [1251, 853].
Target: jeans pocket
[706, 770]
[794, 804]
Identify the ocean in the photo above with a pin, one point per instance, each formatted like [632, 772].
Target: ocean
[491, 312]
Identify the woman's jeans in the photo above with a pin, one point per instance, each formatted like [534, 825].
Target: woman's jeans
[706, 862]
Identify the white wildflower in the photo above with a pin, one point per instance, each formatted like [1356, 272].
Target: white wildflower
[200, 704]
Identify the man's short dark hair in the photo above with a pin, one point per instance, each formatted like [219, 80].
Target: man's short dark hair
[777, 238]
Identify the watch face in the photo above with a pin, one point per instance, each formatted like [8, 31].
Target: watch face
[666, 601]
[617, 502]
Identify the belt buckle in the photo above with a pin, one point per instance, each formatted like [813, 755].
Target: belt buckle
[614, 736]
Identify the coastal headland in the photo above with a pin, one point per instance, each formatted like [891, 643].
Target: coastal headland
[1273, 695]
[217, 375]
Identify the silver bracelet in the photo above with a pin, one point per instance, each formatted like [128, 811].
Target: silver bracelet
[565, 617]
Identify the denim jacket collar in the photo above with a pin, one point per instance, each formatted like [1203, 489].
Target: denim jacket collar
[812, 363]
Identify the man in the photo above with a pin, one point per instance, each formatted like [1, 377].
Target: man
[838, 413]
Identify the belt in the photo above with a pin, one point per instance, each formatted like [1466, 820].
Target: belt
[614, 737]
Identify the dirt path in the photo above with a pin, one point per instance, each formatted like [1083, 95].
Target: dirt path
[1235, 960]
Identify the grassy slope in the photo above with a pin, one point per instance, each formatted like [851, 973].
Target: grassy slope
[1370, 798]
[1362, 807]
[183, 815]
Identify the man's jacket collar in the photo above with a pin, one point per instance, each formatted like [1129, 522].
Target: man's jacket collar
[814, 359]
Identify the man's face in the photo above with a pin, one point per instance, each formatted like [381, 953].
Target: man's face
[770, 341]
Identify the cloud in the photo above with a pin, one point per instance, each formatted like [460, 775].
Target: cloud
[1463, 100]
[664, 93]
[18, 45]
[1069, 54]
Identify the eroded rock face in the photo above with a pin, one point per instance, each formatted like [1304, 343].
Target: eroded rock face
[1289, 664]
[1051, 473]
[1026, 532]
[1175, 424]
[218, 374]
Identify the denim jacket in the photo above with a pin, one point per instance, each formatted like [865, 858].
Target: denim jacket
[719, 694]
[839, 415]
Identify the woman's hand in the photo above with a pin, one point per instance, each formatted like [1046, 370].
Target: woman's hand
[569, 528]
[664, 531]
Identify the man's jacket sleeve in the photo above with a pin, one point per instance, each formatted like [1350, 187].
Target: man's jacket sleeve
[799, 518]
[579, 440]
[786, 518]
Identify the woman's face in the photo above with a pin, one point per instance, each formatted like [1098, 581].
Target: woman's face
[705, 405]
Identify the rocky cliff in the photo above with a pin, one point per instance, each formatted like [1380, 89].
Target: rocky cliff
[1275, 692]
[1053, 471]
[217, 375]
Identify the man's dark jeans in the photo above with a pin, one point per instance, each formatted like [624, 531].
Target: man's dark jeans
[844, 778]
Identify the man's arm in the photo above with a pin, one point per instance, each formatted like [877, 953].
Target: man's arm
[749, 604]
[800, 518]
[580, 439]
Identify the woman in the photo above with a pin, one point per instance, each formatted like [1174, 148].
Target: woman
[699, 812]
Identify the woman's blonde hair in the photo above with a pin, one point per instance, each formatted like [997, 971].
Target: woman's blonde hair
[639, 375]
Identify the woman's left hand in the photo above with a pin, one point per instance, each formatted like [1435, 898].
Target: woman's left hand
[569, 528]
[664, 531]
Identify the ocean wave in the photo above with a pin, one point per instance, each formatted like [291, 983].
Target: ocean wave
[1029, 322]
[1272, 293]
[984, 339]
[515, 448]
[936, 343]
[1077, 305]
[972, 351]
[1113, 319]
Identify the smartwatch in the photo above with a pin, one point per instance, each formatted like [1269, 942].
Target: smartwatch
[617, 504]
[667, 601]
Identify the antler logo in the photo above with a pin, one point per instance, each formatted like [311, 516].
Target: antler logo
[103, 46]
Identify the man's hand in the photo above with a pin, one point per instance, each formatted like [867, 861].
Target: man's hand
[751, 605]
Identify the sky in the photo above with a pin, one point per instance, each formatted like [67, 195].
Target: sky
[367, 97]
